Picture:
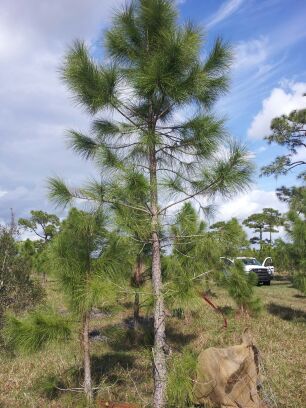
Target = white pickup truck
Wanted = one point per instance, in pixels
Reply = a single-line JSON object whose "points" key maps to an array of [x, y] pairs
{"points": [[263, 271]]}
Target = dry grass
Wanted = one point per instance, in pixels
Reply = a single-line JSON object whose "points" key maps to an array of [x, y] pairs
{"points": [[122, 364]]}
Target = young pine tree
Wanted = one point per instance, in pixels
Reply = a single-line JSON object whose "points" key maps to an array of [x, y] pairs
{"points": [[134, 227], [192, 261], [297, 247], [86, 263], [161, 93], [230, 236], [240, 287]]}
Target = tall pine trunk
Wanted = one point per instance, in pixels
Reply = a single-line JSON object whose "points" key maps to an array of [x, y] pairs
{"points": [[86, 359], [160, 369]]}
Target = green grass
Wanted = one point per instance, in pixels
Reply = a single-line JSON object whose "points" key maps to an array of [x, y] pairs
{"points": [[122, 364]]}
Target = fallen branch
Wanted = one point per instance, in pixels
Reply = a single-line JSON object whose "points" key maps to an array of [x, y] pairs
{"points": [[216, 308]]}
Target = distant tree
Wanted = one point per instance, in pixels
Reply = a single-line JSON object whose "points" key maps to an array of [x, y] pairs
{"points": [[231, 236], [288, 131], [256, 222], [266, 221], [18, 291], [154, 70], [44, 225], [273, 218], [86, 262]]}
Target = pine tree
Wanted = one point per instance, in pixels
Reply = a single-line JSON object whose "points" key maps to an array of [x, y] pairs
{"points": [[240, 287], [42, 224], [257, 222], [45, 226], [87, 265], [230, 236], [273, 218], [192, 262], [297, 248], [288, 131], [152, 72], [134, 227]]}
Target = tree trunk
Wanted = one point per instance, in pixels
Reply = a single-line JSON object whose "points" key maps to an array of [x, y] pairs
{"points": [[160, 369], [136, 311], [138, 278], [260, 238], [86, 359]]}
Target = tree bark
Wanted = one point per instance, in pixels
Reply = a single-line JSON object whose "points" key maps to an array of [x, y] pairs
{"points": [[160, 369], [260, 238], [138, 278], [86, 359], [136, 311]]}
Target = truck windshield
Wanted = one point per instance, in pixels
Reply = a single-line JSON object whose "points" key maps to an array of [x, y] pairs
{"points": [[250, 261]]}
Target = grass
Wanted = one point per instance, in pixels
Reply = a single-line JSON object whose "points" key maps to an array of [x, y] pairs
{"points": [[122, 363]]}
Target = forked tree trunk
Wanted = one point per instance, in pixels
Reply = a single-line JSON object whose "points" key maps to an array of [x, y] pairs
{"points": [[86, 359], [160, 369]]}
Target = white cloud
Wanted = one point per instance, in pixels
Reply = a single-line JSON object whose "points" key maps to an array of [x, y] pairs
{"points": [[225, 10], [282, 100], [35, 107], [248, 203], [252, 53]]}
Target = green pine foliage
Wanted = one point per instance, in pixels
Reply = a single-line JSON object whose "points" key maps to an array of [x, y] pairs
{"points": [[34, 331], [297, 249], [240, 286], [230, 236], [192, 261], [42, 224], [88, 263], [153, 71], [287, 131], [180, 380]]}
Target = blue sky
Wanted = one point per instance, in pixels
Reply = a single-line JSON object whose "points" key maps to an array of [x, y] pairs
{"points": [[268, 79]]}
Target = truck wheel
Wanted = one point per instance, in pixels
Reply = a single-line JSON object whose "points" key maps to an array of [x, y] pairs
{"points": [[267, 283]]}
